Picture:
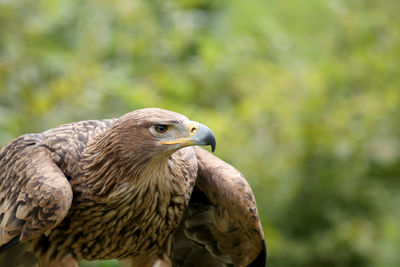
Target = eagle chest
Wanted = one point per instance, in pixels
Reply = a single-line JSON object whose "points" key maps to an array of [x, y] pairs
{"points": [[142, 222]]}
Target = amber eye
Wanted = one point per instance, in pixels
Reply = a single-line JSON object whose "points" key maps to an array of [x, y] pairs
{"points": [[161, 128]]}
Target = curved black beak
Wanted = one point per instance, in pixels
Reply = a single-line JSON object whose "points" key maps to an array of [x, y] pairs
{"points": [[203, 137]]}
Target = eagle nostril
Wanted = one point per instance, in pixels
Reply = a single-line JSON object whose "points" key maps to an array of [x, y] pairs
{"points": [[193, 130]]}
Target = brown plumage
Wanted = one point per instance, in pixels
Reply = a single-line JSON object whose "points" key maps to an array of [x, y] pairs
{"points": [[132, 188]]}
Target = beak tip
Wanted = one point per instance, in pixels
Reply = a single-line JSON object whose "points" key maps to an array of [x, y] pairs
{"points": [[213, 145], [211, 140]]}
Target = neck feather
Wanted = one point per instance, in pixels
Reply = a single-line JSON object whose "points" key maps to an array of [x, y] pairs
{"points": [[106, 173]]}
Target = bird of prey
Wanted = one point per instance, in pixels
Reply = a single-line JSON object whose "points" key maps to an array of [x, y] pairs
{"points": [[137, 188]]}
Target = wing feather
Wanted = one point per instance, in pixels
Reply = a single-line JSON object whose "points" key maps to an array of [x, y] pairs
{"points": [[221, 220], [35, 195]]}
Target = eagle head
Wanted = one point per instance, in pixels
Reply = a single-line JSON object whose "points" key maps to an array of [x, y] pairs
{"points": [[153, 132]]}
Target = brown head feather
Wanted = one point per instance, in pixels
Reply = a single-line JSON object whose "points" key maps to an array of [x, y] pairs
{"points": [[125, 150]]}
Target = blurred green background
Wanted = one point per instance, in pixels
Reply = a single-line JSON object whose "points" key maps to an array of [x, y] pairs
{"points": [[303, 97]]}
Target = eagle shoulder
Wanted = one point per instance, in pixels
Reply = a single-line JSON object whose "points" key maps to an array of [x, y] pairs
{"points": [[34, 193]]}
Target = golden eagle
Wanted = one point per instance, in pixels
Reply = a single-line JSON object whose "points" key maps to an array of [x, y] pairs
{"points": [[134, 188]]}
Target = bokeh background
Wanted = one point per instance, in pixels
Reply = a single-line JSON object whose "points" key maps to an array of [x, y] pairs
{"points": [[303, 97]]}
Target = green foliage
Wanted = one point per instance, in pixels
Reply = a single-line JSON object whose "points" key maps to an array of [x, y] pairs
{"points": [[303, 97], [108, 263]]}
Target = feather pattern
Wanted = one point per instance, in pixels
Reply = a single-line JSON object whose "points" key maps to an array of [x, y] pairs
{"points": [[221, 226], [106, 189]]}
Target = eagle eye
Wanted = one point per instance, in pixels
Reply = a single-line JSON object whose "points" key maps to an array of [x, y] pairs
{"points": [[161, 128]]}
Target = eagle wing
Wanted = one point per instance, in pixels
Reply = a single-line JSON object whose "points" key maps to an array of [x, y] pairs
{"points": [[35, 195], [221, 226]]}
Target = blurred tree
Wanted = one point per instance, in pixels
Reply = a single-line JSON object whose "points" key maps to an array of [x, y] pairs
{"points": [[303, 97]]}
